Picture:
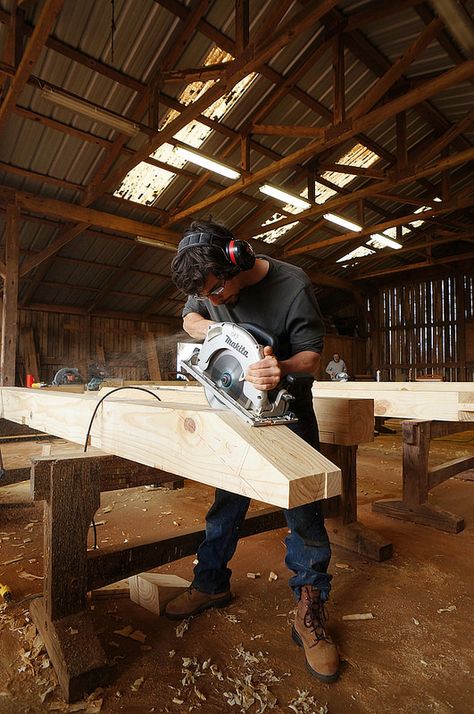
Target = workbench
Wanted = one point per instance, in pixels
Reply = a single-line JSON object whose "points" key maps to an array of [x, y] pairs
{"points": [[271, 461], [428, 410]]}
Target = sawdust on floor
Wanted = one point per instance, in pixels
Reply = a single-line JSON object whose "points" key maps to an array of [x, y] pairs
{"points": [[414, 656]]}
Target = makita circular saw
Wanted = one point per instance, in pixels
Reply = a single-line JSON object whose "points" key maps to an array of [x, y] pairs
{"points": [[221, 365]]}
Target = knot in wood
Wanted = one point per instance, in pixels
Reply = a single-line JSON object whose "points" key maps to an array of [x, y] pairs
{"points": [[190, 425]]}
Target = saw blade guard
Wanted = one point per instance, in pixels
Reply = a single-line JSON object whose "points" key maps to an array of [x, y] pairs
{"points": [[225, 356], [221, 365]]}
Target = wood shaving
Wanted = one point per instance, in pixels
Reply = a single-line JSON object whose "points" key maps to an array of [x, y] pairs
{"points": [[138, 636], [181, 629], [359, 616], [29, 576], [248, 693], [304, 703], [137, 684], [248, 657]]}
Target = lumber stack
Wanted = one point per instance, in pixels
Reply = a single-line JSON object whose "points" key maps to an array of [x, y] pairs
{"points": [[270, 464]]}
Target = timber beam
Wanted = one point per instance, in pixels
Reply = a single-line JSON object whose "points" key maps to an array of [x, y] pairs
{"points": [[270, 464], [442, 401]]}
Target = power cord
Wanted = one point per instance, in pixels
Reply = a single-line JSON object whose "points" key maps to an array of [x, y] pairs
{"points": [[86, 443]]}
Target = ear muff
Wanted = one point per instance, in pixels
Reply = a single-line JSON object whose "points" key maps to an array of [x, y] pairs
{"points": [[238, 252]]}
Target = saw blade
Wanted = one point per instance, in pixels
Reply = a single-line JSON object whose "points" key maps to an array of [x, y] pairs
{"points": [[225, 371]]}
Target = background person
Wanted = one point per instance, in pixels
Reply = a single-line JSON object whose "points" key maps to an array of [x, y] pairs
{"points": [[335, 366]]}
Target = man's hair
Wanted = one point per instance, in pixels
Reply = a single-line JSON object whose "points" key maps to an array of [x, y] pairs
{"points": [[192, 265]]}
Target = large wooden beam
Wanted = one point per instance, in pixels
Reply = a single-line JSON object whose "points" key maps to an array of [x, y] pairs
{"points": [[333, 137], [10, 298], [250, 60], [341, 421], [441, 401], [46, 20], [395, 180], [270, 464], [384, 225]]}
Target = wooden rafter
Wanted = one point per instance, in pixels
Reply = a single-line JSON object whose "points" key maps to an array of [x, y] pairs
{"points": [[46, 20], [333, 137], [380, 227], [380, 187]]}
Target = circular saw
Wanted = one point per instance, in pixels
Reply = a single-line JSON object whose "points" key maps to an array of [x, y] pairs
{"points": [[221, 364]]}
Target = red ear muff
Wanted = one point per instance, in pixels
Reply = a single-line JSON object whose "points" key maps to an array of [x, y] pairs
{"points": [[231, 252], [240, 253]]}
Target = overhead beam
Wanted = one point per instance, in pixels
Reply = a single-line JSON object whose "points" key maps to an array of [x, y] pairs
{"points": [[396, 70], [380, 227], [395, 181], [430, 263], [250, 60], [334, 136], [46, 20]]}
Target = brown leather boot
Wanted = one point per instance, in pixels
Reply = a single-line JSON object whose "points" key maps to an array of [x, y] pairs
{"points": [[308, 632], [192, 602]]}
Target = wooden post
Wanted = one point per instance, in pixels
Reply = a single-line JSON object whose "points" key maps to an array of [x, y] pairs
{"points": [[61, 616], [401, 130], [417, 479], [241, 25], [152, 356], [339, 109], [245, 152], [10, 298]]}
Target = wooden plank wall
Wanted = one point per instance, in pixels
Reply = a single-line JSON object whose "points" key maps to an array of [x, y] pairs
{"points": [[69, 340], [424, 329]]}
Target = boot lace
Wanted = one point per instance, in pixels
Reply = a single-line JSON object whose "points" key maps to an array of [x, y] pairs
{"points": [[315, 617]]}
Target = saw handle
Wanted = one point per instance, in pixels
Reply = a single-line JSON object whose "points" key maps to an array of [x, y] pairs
{"points": [[299, 383], [263, 338]]}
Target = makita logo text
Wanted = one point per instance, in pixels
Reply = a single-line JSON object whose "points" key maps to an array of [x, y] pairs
{"points": [[236, 346]]}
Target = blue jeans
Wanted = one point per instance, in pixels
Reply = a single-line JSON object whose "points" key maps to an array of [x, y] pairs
{"points": [[307, 545]]}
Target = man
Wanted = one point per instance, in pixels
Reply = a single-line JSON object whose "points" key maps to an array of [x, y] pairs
{"points": [[225, 282], [336, 366]]}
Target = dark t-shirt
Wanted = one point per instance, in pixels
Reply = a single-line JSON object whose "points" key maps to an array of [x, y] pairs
{"points": [[283, 304]]}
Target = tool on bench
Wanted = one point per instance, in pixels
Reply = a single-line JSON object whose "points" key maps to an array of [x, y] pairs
{"points": [[221, 365]]}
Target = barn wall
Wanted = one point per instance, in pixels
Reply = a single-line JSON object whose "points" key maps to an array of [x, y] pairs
{"points": [[71, 340], [424, 328]]}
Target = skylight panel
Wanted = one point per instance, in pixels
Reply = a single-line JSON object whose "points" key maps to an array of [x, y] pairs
{"points": [[359, 252], [145, 183], [273, 234]]}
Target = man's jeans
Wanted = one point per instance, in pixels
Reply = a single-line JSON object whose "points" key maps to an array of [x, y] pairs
{"points": [[307, 545]]}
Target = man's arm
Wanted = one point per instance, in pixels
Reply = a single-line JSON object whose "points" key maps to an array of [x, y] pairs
{"points": [[196, 325], [268, 372]]}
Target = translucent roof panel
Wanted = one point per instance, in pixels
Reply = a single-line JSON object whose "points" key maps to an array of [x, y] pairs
{"points": [[155, 179]]}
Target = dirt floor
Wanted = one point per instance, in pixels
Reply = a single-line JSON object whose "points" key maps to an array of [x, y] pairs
{"points": [[414, 656]]}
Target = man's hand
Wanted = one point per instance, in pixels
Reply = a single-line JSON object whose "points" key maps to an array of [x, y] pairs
{"points": [[265, 374]]}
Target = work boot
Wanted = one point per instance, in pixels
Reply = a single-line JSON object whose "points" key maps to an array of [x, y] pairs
{"points": [[308, 632], [192, 602]]}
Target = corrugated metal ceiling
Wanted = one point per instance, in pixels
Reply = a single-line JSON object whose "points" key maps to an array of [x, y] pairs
{"points": [[145, 34]]}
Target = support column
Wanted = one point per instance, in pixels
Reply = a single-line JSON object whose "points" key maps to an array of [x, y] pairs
{"points": [[10, 298]]}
